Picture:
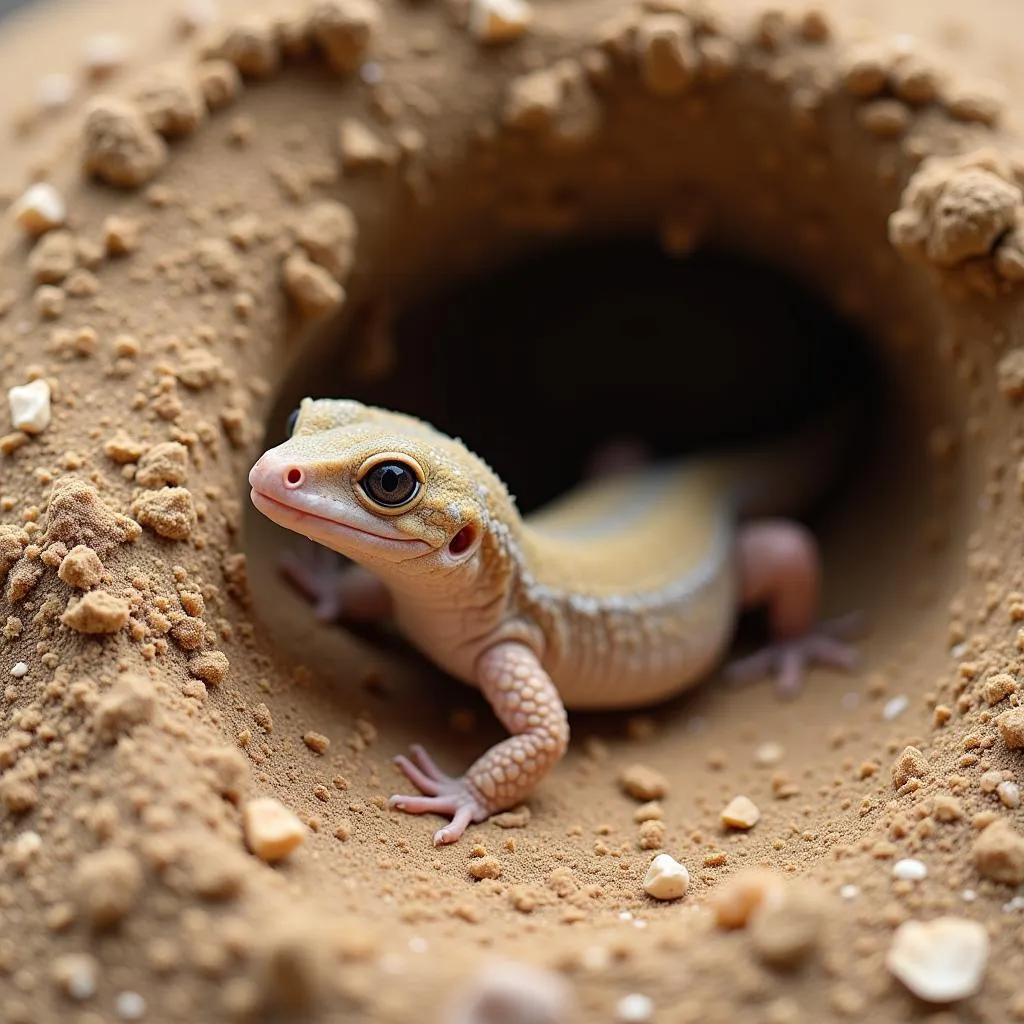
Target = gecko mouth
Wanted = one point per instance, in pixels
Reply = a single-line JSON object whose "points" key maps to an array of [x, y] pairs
{"points": [[345, 537]]}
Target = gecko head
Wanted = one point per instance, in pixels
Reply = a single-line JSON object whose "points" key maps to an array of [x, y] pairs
{"points": [[384, 489]]}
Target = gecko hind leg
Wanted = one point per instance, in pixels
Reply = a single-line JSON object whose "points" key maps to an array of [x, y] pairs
{"points": [[349, 592], [780, 567]]}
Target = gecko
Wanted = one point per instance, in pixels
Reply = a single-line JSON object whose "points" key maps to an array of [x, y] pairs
{"points": [[622, 593]]}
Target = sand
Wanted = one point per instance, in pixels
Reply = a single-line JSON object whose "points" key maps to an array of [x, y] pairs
{"points": [[194, 773]]}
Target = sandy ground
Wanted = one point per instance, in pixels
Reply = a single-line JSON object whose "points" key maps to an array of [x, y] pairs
{"points": [[162, 684]]}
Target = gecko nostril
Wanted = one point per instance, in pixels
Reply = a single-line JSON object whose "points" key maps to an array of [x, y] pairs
{"points": [[294, 477]]}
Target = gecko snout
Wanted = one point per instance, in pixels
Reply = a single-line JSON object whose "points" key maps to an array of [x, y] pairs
{"points": [[271, 474]]}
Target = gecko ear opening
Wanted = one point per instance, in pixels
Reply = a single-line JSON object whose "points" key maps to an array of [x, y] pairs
{"points": [[462, 543]]}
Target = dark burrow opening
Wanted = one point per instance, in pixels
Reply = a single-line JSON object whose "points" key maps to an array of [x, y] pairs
{"points": [[540, 364]]}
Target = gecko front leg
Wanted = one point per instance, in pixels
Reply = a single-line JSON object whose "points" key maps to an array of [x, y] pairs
{"points": [[525, 700], [336, 594], [779, 567]]}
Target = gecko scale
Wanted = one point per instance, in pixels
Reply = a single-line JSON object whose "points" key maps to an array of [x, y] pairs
{"points": [[623, 593]]}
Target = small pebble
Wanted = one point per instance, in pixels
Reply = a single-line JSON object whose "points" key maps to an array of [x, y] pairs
{"points": [[19, 670], [518, 993], [75, 974], [130, 1006], [849, 892], [940, 960], [895, 707], [39, 209], [499, 21], [741, 812], [1009, 794], [55, 91], [768, 754], [666, 878], [735, 901], [909, 870], [371, 72], [271, 830], [103, 54], [194, 15], [634, 1009], [30, 406], [643, 783]]}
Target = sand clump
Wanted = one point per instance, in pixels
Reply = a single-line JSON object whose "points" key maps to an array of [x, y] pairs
{"points": [[195, 823]]}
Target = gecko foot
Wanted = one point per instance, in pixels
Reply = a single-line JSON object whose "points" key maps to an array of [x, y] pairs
{"points": [[826, 644], [444, 795], [315, 576], [336, 592]]}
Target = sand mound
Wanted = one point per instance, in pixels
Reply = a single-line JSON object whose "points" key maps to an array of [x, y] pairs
{"points": [[194, 774]]}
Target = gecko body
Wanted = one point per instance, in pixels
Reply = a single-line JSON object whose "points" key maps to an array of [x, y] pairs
{"points": [[621, 594]]}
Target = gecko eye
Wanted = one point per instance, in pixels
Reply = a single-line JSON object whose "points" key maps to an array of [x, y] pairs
{"points": [[289, 427], [391, 484]]}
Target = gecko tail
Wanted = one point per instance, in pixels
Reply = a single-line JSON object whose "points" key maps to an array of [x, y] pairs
{"points": [[795, 472]]}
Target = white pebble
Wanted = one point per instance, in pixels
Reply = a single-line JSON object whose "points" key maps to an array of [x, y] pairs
{"points": [[26, 844], [1017, 903], [849, 892], [666, 878], [768, 754], [30, 406], [634, 1009], [82, 985], [39, 209], [499, 21], [19, 670], [940, 960], [371, 72], [1009, 794], [130, 1006], [75, 974], [895, 707], [910, 870], [55, 91], [958, 650], [23, 849], [968, 895], [515, 992], [103, 53]]}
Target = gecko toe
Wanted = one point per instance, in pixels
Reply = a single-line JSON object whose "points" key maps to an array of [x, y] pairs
{"points": [[440, 794], [453, 832], [788, 660], [427, 764], [420, 779]]}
